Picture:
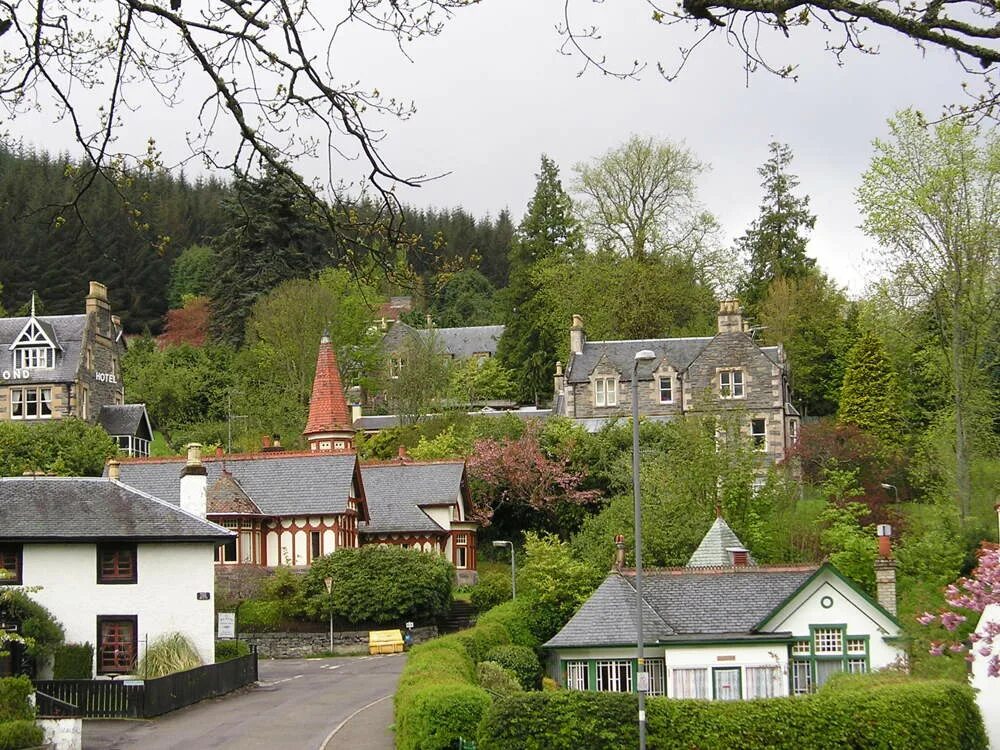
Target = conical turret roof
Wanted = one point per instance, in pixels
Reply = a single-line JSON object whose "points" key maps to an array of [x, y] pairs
{"points": [[717, 546], [328, 412]]}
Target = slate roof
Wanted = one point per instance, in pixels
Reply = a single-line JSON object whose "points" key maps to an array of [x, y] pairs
{"points": [[279, 484], [125, 419], [460, 343], [396, 490], [678, 353], [373, 422], [715, 546], [66, 330], [684, 604], [227, 497], [76, 508], [328, 410]]}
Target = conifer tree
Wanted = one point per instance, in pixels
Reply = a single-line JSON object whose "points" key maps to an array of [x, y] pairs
{"points": [[775, 244], [548, 231], [870, 397]]}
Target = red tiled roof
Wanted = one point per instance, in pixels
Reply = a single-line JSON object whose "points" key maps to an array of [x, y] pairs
{"points": [[328, 410]]}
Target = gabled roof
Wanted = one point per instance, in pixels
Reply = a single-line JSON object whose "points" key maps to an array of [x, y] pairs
{"points": [[328, 410], [691, 603], [678, 353], [716, 545], [48, 509], [226, 497], [125, 419], [460, 343], [396, 491], [66, 330], [46, 330], [279, 484]]}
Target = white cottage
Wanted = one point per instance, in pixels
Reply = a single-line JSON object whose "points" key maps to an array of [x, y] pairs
{"points": [[116, 566], [725, 628]]}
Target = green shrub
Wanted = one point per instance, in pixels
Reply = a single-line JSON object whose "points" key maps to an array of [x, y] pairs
{"points": [[434, 716], [480, 640], [285, 586], [379, 585], [15, 735], [497, 679], [168, 654], [883, 713], [492, 588], [42, 631], [226, 650], [514, 616], [14, 692], [73, 661], [520, 660], [259, 616]]}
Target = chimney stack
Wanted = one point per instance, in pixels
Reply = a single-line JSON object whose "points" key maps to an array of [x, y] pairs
{"points": [[194, 482], [114, 470], [577, 338], [559, 381], [619, 552], [885, 569], [404, 456], [730, 316], [99, 309], [265, 442]]}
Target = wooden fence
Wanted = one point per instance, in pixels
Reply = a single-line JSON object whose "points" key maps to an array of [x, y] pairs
{"points": [[142, 699]]}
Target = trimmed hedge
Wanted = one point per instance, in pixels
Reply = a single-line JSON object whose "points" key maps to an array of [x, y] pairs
{"points": [[73, 661], [910, 715], [259, 616], [15, 735], [226, 650], [514, 616], [497, 680], [520, 660]]}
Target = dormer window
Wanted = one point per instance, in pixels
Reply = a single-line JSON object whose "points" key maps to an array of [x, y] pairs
{"points": [[666, 389], [606, 392], [34, 348]]}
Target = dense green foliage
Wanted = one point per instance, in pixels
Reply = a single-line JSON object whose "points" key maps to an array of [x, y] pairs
{"points": [[496, 679], [42, 632], [522, 661], [15, 735], [226, 650], [871, 397], [911, 714], [73, 661], [379, 585], [17, 725], [260, 616], [66, 447]]}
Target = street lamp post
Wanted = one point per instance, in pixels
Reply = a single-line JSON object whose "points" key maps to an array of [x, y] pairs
{"points": [[513, 570], [328, 582], [892, 487], [642, 677]]}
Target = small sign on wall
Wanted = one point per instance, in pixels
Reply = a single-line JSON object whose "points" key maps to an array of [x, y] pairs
{"points": [[227, 624], [204, 596]]}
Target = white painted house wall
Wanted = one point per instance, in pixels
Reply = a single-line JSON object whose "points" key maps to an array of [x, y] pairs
{"points": [[164, 599], [442, 515], [987, 688], [728, 655]]}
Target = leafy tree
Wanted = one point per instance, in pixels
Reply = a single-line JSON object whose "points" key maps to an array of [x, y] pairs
{"points": [[476, 381], [187, 324], [379, 585], [851, 546], [520, 487], [466, 299], [191, 274], [548, 232], [423, 376], [775, 244], [67, 447], [639, 200], [931, 197], [809, 317], [871, 397], [273, 235]]}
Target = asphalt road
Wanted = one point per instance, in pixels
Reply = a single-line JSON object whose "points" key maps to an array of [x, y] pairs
{"points": [[299, 704]]}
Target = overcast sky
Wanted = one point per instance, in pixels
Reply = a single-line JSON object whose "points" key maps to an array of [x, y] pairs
{"points": [[493, 93]]}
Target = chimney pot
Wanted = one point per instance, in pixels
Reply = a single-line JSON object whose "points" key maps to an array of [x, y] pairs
{"points": [[219, 453], [265, 441], [619, 552], [114, 469], [403, 453], [194, 454], [194, 482]]}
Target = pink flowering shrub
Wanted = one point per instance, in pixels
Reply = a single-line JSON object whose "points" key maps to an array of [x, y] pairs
{"points": [[975, 593]]}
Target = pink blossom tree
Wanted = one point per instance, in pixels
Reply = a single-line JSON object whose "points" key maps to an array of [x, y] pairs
{"points": [[519, 486], [975, 594]]}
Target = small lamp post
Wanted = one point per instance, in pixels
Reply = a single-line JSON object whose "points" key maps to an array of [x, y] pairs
{"points": [[513, 569], [642, 678], [892, 487], [328, 582]]}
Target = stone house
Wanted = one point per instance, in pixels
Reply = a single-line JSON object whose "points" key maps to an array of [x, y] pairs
{"points": [[724, 628], [457, 343], [725, 373], [59, 366], [116, 566]]}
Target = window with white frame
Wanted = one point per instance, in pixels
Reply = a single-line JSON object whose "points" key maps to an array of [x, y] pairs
{"points": [[857, 666], [793, 431], [731, 384], [763, 682], [577, 675], [395, 366], [829, 651], [689, 683], [657, 671], [30, 403], [801, 677], [606, 392], [666, 389], [614, 676], [829, 640], [34, 358], [758, 434]]}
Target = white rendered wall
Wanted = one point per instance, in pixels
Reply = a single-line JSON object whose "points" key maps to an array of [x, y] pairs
{"points": [[164, 599], [988, 688]]}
